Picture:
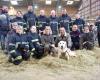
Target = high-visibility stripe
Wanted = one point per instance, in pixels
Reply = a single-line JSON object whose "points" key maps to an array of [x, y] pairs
{"points": [[12, 51], [11, 44], [24, 42], [35, 40], [27, 45], [18, 58], [21, 43], [33, 49]]}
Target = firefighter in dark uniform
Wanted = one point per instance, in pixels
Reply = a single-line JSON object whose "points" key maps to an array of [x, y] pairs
{"points": [[11, 33], [65, 20], [42, 21], [80, 22], [19, 19], [30, 17], [18, 47], [53, 23], [4, 25], [97, 23], [34, 42], [75, 37]]}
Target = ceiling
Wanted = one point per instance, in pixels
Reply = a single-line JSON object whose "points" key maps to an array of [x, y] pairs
{"points": [[41, 3]]}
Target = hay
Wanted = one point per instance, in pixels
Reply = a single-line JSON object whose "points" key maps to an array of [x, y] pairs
{"points": [[77, 67]]}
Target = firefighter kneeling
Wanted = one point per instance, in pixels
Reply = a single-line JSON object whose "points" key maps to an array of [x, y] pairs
{"points": [[36, 47], [18, 47]]}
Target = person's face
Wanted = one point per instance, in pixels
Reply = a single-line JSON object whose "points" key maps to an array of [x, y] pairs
{"points": [[33, 29], [42, 12], [86, 30], [75, 28], [5, 8], [47, 30], [64, 11], [62, 31], [30, 8], [53, 13], [19, 30], [14, 26], [77, 16], [19, 14]]}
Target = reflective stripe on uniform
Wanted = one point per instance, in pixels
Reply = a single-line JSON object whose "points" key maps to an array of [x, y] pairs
{"points": [[12, 51], [27, 45], [18, 58], [33, 49], [35, 40], [21, 43], [24, 42], [11, 44]]}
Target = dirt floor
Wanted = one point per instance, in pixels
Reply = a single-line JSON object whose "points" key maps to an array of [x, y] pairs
{"points": [[86, 66]]}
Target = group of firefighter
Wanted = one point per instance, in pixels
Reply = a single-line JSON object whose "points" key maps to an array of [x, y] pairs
{"points": [[28, 35]]}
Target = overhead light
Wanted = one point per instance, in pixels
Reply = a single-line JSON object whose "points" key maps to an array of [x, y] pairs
{"points": [[5, 0], [48, 2], [70, 2], [14, 2], [76, 0], [59, 6], [35, 6]]}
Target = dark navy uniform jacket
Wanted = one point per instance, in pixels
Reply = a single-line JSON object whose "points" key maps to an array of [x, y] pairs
{"points": [[65, 21], [20, 21], [97, 23], [33, 39], [42, 21], [18, 42], [80, 22], [4, 23], [30, 18], [53, 23]]}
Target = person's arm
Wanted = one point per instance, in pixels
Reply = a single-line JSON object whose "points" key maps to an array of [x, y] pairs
{"points": [[12, 45], [52, 41], [25, 18], [92, 37], [83, 22], [81, 41], [69, 41], [42, 40], [56, 41], [30, 42]]}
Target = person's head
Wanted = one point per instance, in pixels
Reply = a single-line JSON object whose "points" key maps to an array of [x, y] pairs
{"points": [[77, 16], [53, 13], [30, 8], [5, 9], [62, 31], [74, 28], [19, 14], [19, 29], [47, 30], [42, 12], [33, 29], [86, 29], [14, 25], [64, 11]]}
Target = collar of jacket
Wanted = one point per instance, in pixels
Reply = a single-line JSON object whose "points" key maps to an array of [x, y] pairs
{"points": [[64, 35], [64, 15], [53, 17]]}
